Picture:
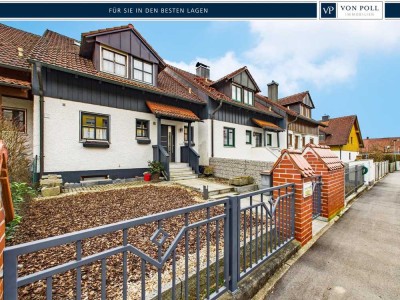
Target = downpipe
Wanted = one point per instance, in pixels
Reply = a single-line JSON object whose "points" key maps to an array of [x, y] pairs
{"points": [[212, 127], [41, 119]]}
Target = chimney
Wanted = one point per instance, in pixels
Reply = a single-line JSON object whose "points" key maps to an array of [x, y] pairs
{"points": [[325, 118], [273, 91], [202, 70]]}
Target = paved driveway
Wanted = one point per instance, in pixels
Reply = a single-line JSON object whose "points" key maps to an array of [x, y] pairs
{"points": [[358, 257]]}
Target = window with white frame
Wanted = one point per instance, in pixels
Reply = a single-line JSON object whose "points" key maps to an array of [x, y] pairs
{"points": [[236, 93], [248, 97], [142, 71], [114, 63]]}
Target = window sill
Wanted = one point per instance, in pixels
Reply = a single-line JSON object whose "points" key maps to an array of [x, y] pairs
{"points": [[226, 146], [143, 141], [96, 144]]}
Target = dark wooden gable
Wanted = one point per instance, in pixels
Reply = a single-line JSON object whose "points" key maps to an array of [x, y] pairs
{"points": [[308, 101], [245, 80], [128, 42]]}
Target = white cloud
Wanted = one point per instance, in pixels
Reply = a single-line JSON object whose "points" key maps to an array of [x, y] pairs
{"points": [[304, 54]]}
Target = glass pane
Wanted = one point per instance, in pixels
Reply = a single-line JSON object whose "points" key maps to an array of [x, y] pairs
{"points": [[239, 94], [230, 138], [108, 66], [20, 116], [88, 133], [101, 121], [108, 54], [233, 92], [225, 137], [147, 78], [8, 115], [121, 59], [148, 68], [120, 70], [137, 64], [88, 120], [101, 134], [138, 75], [246, 97], [251, 95]]}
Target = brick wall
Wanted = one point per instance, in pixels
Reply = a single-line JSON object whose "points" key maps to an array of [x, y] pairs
{"points": [[286, 172], [228, 168], [332, 192]]}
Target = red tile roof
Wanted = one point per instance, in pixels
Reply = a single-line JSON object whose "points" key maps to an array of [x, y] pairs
{"points": [[59, 51], [172, 111], [293, 98], [14, 82], [381, 144], [330, 159], [205, 86], [338, 130], [10, 40], [267, 125], [298, 161]]}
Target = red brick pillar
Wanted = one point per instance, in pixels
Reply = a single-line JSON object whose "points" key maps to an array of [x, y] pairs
{"points": [[2, 245], [291, 167], [330, 167]]}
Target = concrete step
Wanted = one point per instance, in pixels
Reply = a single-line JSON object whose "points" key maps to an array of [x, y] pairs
{"points": [[224, 195], [222, 191], [173, 166], [181, 172], [175, 178]]}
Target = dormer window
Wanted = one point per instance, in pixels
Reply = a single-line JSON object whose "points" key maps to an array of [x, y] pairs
{"points": [[142, 71], [248, 97], [236, 93], [113, 62]]}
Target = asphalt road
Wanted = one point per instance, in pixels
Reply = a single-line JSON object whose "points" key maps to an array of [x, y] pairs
{"points": [[358, 257]]}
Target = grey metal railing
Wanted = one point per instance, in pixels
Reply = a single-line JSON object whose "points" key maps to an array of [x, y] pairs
{"points": [[161, 155], [190, 156], [317, 204], [354, 179], [193, 252]]}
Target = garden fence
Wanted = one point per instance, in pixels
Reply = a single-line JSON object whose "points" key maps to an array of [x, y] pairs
{"points": [[381, 169], [200, 251], [354, 178]]}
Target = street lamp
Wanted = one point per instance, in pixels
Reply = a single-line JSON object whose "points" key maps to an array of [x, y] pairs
{"points": [[394, 149]]}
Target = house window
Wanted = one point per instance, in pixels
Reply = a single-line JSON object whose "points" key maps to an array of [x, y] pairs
{"points": [[303, 141], [16, 116], [311, 141], [269, 139], [322, 137], [114, 63], [351, 140], [248, 137], [229, 137], [349, 155], [186, 134], [290, 142], [142, 128], [248, 97], [94, 127], [142, 71], [258, 139], [236, 93], [296, 142]]}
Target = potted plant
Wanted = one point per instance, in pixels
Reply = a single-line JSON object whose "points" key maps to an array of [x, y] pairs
{"points": [[147, 176], [208, 171], [155, 168]]}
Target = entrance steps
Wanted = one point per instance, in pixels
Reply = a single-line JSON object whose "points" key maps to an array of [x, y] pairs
{"points": [[181, 171]]}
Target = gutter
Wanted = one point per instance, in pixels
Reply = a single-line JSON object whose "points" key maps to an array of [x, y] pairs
{"points": [[41, 118], [212, 126]]}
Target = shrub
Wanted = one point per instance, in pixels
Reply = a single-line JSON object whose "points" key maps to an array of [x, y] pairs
{"points": [[155, 167], [208, 170]]}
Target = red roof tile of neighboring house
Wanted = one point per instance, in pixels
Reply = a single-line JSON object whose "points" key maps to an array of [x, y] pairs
{"points": [[171, 111], [381, 144], [267, 125], [298, 161], [204, 85], [14, 82], [293, 98], [325, 153], [59, 51], [338, 130], [10, 40]]}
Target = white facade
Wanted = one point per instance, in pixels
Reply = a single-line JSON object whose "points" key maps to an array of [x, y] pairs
{"points": [[346, 156], [64, 149], [308, 138]]}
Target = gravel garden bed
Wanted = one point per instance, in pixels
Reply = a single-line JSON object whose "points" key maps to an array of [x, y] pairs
{"points": [[52, 217]]}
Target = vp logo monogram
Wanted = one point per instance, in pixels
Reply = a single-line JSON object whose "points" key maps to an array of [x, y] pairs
{"points": [[328, 10]]}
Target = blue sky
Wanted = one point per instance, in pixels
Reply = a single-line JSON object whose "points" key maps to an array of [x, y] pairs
{"points": [[348, 67]]}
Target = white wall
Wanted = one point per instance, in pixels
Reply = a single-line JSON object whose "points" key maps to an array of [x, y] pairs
{"points": [[347, 156], [27, 105], [241, 149], [308, 137], [64, 151]]}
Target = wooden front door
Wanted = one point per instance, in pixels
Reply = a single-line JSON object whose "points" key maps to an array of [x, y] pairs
{"points": [[168, 140]]}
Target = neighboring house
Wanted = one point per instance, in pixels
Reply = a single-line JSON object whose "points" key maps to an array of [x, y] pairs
{"points": [[105, 105], [15, 78], [301, 129], [388, 145], [343, 135]]}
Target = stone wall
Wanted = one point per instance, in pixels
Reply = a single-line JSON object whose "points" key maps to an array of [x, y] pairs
{"points": [[228, 168]]}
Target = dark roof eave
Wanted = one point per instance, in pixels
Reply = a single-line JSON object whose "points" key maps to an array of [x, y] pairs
{"points": [[247, 107], [15, 85], [310, 120], [165, 116], [15, 67], [112, 81]]}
